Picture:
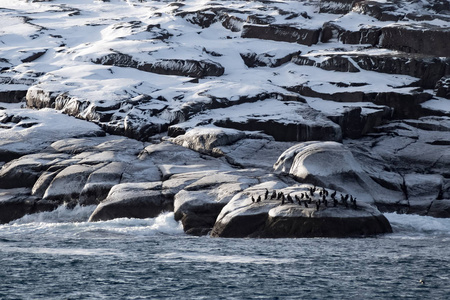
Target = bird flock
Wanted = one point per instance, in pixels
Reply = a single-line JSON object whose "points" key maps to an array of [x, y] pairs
{"points": [[314, 197]]}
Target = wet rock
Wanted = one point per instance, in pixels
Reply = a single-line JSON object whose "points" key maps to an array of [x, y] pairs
{"points": [[440, 209], [132, 200], [14, 204], [282, 33]]}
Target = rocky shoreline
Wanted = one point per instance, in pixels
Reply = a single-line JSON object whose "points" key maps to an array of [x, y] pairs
{"points": [[152, 116]]}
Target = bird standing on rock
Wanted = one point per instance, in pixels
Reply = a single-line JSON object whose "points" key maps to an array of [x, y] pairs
{"points": [[274, 195], [289, 198], [253, 199], [259, 199], [266, 195]]}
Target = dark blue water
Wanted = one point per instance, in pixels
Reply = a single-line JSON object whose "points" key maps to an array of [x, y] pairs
{"points": [[59, 256]]}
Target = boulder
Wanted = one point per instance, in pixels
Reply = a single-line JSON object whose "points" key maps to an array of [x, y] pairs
{"points": [[332, 165], [132, 200], [68, 184], [199, 203], [100, 182], [272, 219], [439, 209], [24, 171]]}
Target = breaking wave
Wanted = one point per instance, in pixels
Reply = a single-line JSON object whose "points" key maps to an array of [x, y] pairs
{"points": [[418, 224]]}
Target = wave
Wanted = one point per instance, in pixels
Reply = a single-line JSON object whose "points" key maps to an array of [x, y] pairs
{"points": [[403, 223], [235, 259], [66, 222], [62, 214]]}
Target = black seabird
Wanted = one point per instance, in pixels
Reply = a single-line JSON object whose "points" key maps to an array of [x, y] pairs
{"points": [[274, 195], [290, 198], [335, 202], [306, 204], [253, 199], [325, 202], [333, 194], [282, 200], [301, 196], [266, 195], [317, 205], [259, 199]]}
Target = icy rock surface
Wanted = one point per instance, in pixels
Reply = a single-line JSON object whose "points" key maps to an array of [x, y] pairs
{"points": [[190, 104]]}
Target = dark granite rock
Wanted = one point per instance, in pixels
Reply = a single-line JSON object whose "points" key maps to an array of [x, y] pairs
{"points": [[282, 33], [443, 87], [336, 6], [425, 39]]}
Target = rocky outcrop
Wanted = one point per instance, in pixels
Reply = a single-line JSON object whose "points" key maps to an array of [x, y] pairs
{"points": [[425, 39], [179, 67], [271, 218], [282, 33]]}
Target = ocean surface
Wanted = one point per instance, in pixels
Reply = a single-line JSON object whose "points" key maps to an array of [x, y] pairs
{"points": [[59, 255]]}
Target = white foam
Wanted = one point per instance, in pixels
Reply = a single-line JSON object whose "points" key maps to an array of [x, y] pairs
{"points": [[60, 215], [235, 259], [64, 223], [403, 223]]}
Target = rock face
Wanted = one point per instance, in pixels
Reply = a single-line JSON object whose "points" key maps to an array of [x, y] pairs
{"points": [[272, 218], [128, 200], [198, 107]]}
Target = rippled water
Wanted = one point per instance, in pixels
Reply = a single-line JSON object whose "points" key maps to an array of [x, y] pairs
{"points": [[58, 255]]}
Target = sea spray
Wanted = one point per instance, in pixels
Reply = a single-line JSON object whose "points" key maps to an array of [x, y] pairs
{"points": [[414, 224]]}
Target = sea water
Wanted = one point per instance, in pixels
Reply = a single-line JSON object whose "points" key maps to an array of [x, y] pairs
{"points": [[59, 255]]}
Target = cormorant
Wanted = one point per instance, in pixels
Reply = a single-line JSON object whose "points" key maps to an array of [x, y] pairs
{"points": [[274, 195], [282, 200], [335, 202], [259, 199], [297, 198], [306, 204], [266, 195], [253, 199], [317, 205], [325, 202], [290, 198], [301, 196], [333, 194]]}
